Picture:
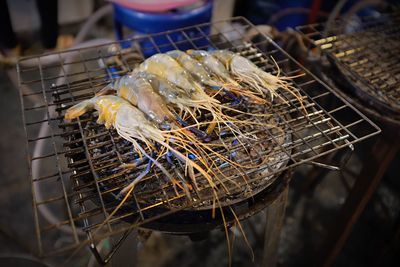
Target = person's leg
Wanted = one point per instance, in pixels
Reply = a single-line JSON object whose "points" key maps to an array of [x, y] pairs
{"points": [[8, 39], [48, 12]]}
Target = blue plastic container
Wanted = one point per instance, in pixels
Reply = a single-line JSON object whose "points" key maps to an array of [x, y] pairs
{"points": [[149, 23]]}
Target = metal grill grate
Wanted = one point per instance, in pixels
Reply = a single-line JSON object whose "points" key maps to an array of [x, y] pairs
{"points": [[75, 166], [367, 53]]}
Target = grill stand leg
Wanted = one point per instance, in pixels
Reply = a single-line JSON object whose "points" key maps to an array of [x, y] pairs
{"points": [[275, 214], [382, 154], [103, 260]]}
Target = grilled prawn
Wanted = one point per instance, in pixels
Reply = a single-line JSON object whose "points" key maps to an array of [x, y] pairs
{"points": [[195, 68], [215, 66], [139, 92]]}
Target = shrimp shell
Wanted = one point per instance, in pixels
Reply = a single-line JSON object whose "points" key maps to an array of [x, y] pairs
{"points": [[140, 93], [213, 64], [194, 67], [165, 88], [117, 112], [224, 56], [168, 68], [107, 106]]}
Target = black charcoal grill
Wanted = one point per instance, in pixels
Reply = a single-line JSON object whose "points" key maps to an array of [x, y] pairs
{"points": [[365, 53], [81, 161]]}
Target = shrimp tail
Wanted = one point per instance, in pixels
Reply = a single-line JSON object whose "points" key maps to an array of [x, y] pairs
{"points": [[79, 109]]}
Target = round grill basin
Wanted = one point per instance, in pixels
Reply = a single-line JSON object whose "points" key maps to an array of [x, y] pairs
{"points": [[188, 222]]}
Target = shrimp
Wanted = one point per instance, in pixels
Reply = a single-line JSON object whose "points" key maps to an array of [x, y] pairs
{"points": [[215, 66], [195, 68], [263, 82], [139, 92], [222, 73], [132, 125]]}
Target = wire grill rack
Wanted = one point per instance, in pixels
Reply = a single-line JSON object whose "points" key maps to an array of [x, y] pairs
{"points": [[69, 162], [366, 51]]}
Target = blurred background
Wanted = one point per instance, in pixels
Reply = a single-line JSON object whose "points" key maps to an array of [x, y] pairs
{"points": [[316, 196]]}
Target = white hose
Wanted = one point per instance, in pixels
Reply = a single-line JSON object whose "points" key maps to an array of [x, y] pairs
{"points": [[91, 21]]}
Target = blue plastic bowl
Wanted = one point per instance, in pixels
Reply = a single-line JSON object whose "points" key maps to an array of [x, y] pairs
{"points": [[149, 23]]}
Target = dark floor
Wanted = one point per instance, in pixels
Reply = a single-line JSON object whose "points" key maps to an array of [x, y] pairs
{"points": [[374, 240]]}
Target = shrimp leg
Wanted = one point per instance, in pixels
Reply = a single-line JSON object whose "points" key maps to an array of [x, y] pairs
{"points": [[137, 179]]}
